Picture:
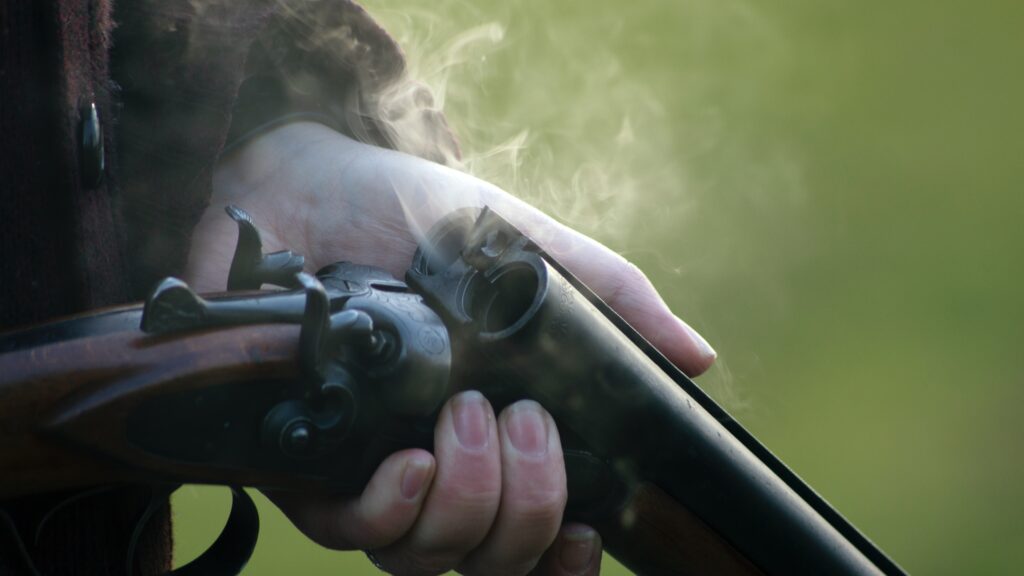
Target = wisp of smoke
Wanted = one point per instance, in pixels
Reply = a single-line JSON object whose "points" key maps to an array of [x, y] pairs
{"points": [[566, 143], [545, 111]]}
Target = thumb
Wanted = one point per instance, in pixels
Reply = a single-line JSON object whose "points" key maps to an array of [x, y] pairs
{"points": [[381, 515]]}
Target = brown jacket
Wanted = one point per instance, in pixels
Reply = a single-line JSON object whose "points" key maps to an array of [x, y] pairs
{"points": [[88, 221]]}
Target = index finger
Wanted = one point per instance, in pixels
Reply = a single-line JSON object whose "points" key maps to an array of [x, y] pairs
{"points": [[615, 280]]}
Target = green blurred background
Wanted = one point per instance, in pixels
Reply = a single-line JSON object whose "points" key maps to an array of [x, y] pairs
{"points": [[829, 191]]}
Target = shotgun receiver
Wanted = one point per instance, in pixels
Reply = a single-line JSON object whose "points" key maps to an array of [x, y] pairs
{"points": [[311, 387]]}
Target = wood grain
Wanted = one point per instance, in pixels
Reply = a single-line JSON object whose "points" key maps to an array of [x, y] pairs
{"points": [[63, 406], [655, 535]]}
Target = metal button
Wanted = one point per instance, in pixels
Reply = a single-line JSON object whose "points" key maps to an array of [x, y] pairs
{"points": [[91, 160]]}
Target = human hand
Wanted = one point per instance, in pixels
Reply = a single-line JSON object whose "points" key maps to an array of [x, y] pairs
{"points": [[490, 498]]}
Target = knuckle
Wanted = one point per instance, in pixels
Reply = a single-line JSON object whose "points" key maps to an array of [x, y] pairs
{"points": [[331, 534], [475, 502], [541, 507], [470, 491], [629, 282], [354, 529], [636, 277], [376, 532]]}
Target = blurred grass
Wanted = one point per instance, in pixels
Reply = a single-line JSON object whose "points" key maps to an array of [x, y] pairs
{"points": [[830, 191]]}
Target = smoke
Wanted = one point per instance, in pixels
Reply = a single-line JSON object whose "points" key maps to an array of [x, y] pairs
{"points": [[553, 115], [584, 144], [577, 114]]}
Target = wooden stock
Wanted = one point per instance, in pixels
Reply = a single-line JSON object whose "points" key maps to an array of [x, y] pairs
{"points": [[58, 432], [63, 409]]}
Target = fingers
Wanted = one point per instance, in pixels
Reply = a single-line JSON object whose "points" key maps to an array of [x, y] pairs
{"points": [[463, 501], [493, 506], [533, 493], [497, 501], [615, 280], [386, 510], [576, 552]]}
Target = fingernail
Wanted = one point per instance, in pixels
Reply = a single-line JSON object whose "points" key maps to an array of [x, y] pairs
{"points": [[414, 478], [527, 430], [471, 414], [705, 349], [578, 546]]}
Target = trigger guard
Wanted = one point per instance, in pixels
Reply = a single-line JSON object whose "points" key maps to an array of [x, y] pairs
{"points": [[231, 551]]}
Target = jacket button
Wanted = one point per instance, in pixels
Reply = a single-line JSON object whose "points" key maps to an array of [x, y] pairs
{"points": [[91, 160]]}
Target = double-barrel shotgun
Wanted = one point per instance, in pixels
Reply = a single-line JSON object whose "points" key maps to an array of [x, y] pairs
{"points": [[308, 387]]}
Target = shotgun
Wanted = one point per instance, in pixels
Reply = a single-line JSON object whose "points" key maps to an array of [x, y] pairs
{"points": [[310, 386]]}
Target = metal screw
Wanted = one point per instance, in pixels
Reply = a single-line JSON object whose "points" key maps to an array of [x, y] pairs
{"points": [[298, 438], [92, 161]]}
